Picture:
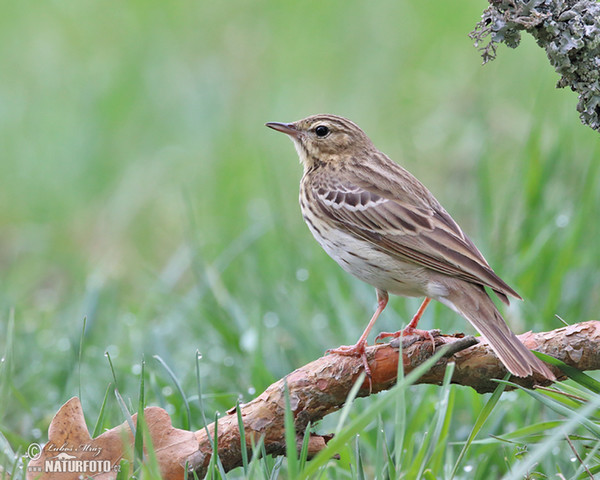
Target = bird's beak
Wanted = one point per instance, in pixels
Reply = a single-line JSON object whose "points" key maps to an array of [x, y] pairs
{"points": [[287, 128]]}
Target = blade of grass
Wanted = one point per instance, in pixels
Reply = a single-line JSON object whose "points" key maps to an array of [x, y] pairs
{"points": [[579, 397], [348, 402], [589, 458], [150, 465], [291, 449], [211, 470], [79, 357], [6, 361], [100, 421], [481, 419], [276, 469], [575, 418], [112, 368], [200, 396], [443, 426], [264, 459], [360, 471], [536, 429], [125, 411], [391, 466], [255, 461], [576, 375], [175, 380], [304, 450], [379, 445], [562, 398], [242, 430], [16, 466], [208, 436], [124, 468], [139, 434], [576, 392], [120, 401], [367, 416], [561, 409], [399, 418], [7, 454], [431, 438]]}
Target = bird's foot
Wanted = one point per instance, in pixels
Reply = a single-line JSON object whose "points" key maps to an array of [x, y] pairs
{"points": [[408, 332], [357, 350]]}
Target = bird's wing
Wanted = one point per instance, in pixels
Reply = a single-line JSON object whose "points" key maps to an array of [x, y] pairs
{"points": [[401, 225]]}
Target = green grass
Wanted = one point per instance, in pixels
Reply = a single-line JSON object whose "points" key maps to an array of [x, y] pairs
{"points": [[140, 190]]}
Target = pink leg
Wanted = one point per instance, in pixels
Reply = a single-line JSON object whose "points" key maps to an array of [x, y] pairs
{"points": [[359, 348], [411, 329], [415, 320]]}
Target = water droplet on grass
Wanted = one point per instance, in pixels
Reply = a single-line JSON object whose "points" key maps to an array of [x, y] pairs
{"points": [[302, 274], [271, 319], [562, 220]]}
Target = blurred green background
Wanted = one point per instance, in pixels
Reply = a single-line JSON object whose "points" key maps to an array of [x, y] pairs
{"points": [[140, 189]]}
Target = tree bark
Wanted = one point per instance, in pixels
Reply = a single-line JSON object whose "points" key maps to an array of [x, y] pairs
{"points": [[321, 387]]}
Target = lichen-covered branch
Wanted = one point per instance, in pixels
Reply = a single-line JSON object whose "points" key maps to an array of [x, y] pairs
{"points": [[321, 387], [569, 31]]}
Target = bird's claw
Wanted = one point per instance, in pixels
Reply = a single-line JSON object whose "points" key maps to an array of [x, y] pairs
{"points": [[357, 350], [407, 332]]}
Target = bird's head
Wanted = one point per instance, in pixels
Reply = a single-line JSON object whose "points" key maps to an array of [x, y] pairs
{"points": [[324, 138]]}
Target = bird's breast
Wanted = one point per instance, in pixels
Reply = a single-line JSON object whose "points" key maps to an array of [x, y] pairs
{"points": [[366, 262]]}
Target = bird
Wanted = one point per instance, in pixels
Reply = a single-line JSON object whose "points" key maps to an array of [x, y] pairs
{"points": [[382, 225]]}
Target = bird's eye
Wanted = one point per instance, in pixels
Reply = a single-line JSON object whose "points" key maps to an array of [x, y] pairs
{"points": [[321, 131]]}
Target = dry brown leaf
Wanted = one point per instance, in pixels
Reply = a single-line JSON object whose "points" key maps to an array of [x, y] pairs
{"points": [[71, 453]]}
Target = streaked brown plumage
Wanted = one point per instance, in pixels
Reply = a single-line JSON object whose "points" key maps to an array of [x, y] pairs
{"points": [[382, 225]]}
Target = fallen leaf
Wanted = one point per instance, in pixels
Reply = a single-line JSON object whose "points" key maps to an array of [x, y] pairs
{"points": [[72, 454]]}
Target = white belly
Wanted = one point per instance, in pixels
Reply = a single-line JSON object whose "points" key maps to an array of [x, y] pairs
{"points": [[372, 266]]}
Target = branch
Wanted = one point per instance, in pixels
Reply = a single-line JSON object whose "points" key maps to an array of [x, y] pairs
{"points": [[569, 31], [321, 387], [317, 389]]}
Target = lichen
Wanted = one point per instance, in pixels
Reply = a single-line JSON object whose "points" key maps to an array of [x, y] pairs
{"points": [[568, 30]]}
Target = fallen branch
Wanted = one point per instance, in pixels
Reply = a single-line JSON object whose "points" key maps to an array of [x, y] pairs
{"points": [[321, 387], [315, 390]]}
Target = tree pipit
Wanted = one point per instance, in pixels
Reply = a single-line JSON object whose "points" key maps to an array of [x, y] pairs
{"points": [[382, 225]]}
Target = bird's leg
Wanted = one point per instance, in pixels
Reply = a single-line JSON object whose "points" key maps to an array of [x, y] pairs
{"points": [[359, 348], [411, 328]]}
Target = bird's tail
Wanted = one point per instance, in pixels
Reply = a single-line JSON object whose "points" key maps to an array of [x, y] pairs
{"points": [[472, 302]]}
